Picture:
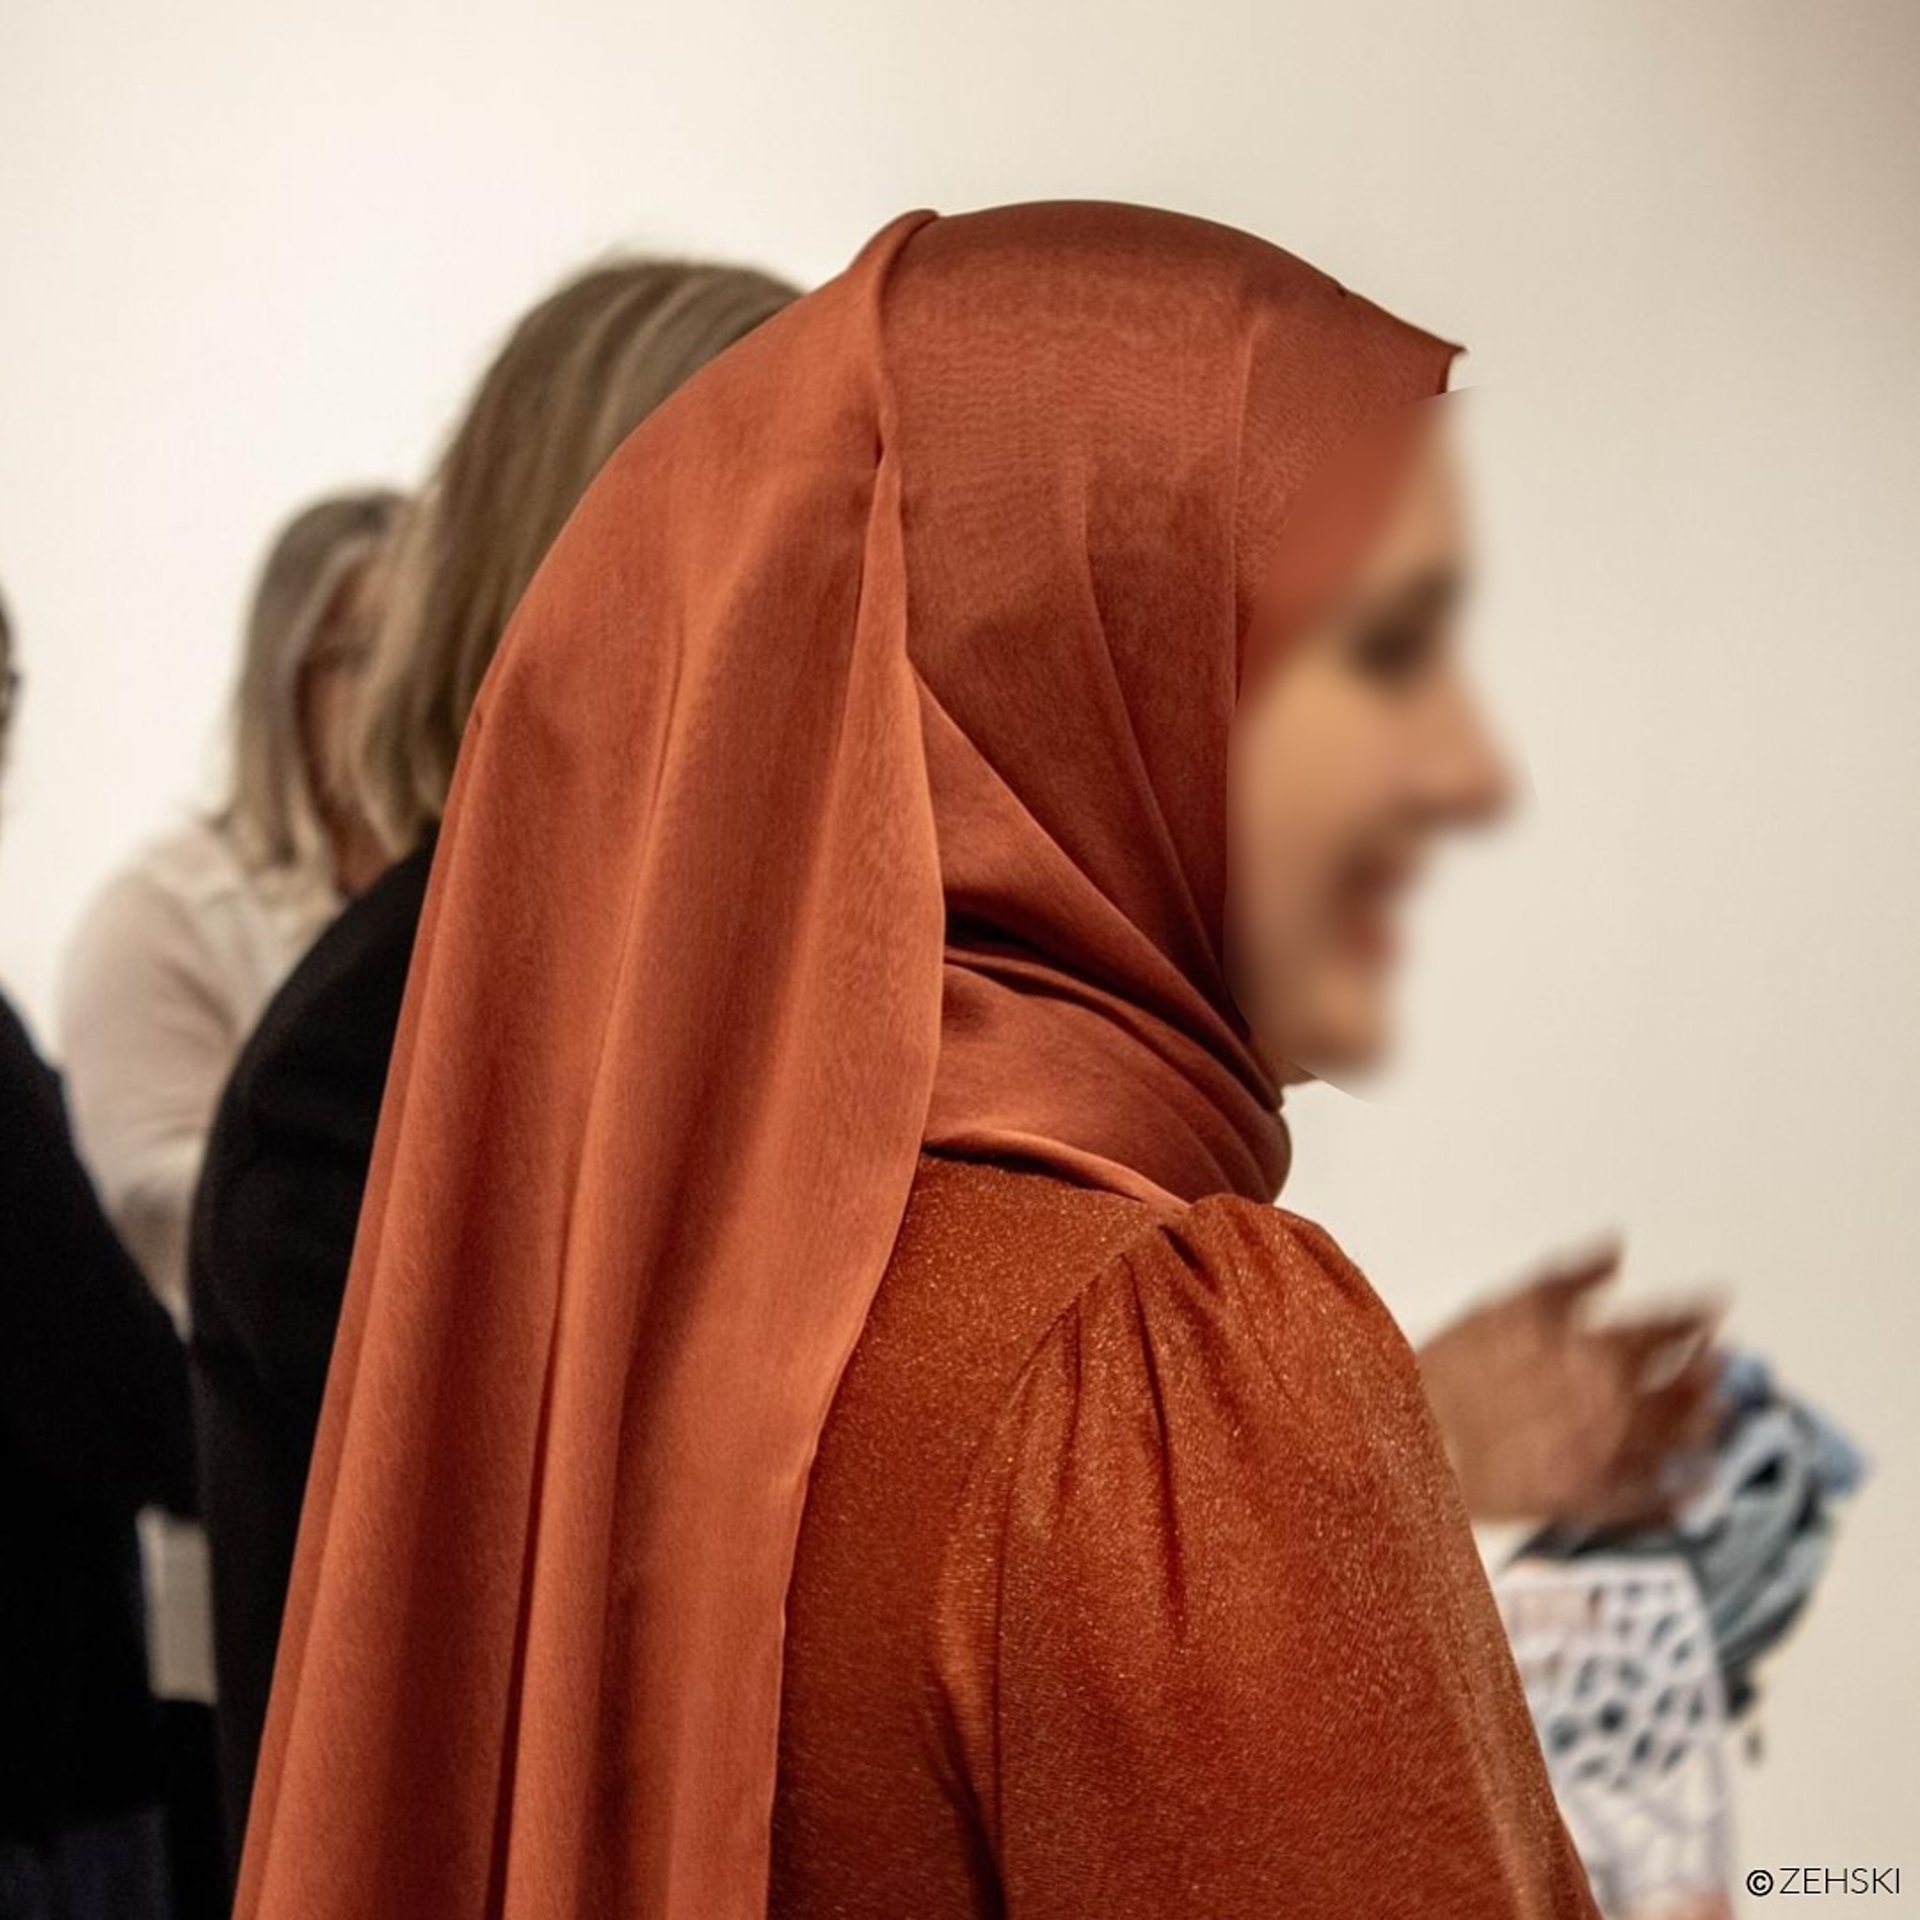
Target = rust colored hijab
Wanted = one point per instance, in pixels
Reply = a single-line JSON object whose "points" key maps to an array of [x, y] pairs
{"points": [[851, 780]]}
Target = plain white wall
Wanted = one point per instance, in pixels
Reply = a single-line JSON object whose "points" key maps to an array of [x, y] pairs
{"points": [[248, 253]]}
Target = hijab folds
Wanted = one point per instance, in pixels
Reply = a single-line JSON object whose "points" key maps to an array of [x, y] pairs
{"points": [[850, 782]]}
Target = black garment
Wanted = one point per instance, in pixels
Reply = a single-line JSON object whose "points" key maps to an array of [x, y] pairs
{"points": [[191, 1801], [94, 1425], [272, 1238]]}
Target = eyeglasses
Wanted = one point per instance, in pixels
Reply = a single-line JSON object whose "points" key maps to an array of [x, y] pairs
{"points": [[9, 695]]}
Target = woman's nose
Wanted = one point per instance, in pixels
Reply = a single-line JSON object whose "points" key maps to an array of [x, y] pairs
{"points": [[1472, 781]]}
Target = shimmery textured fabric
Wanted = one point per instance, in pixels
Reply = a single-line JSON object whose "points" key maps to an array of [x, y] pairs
{"points": [[1133, 1582], [852, 778]]}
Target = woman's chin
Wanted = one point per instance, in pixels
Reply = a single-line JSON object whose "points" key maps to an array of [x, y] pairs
{"points": [[1349, 1042]]}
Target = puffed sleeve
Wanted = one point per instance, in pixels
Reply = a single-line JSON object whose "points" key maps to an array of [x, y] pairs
{"points": [[1212, 1637]]}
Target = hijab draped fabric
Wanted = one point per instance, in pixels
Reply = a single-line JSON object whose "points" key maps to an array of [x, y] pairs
{"points": [[851, 780]]}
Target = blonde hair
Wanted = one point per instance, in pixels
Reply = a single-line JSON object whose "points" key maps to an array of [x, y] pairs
{"points": [[576, 376], [271, 810]]}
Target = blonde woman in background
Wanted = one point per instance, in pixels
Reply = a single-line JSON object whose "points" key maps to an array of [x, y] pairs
{"points": [[168, 972], [287, 1158]]}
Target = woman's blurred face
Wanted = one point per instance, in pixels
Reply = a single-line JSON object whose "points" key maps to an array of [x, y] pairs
{"points": [[330, 680], [1356, 749]]}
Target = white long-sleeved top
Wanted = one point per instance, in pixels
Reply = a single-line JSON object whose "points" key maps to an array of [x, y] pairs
{"points": [[169, 970]]}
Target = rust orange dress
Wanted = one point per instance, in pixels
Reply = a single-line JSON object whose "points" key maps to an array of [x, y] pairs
{"points": [[1133, 1581]]}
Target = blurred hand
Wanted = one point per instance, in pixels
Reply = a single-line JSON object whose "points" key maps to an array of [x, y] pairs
{"points": [[1549, 1417]]}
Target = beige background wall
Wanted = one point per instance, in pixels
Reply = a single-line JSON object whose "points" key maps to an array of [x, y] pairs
{"points": [[248, 252]]}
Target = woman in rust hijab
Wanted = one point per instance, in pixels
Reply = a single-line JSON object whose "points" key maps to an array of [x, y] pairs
{"points": [[828, 1420]]}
